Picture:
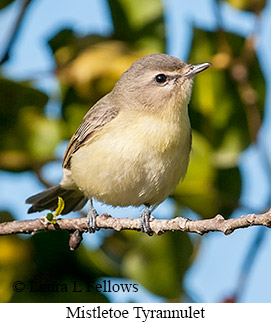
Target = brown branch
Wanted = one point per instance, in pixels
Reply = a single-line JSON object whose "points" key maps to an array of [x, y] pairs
{"points": [[15, 31], [105, 221]]}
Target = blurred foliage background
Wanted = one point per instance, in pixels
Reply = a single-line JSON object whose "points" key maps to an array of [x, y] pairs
{"points": [[226, 113]]}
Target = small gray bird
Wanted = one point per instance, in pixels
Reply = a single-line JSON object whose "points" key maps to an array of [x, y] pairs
{"points": [[133, 145]]}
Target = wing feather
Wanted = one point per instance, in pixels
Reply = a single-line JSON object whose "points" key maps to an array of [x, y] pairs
{"points": [[98, 116]]}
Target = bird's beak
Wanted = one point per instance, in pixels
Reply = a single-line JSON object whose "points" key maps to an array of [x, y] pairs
{"points": [[192, 70]]}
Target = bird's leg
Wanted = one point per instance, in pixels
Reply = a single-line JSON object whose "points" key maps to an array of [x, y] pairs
{"points": [[145, 220], [91, 218]]}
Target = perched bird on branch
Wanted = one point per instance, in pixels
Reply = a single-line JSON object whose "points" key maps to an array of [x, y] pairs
{"points": [[133, 145]]}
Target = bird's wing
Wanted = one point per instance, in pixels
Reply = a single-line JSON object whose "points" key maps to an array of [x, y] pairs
{"points": [[99, 115]]}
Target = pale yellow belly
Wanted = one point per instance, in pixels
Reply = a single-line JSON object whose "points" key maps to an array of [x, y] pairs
{"points": [[132, 164]]}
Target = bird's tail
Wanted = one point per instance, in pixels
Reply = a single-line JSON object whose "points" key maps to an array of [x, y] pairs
{"points": [[48, 200]]}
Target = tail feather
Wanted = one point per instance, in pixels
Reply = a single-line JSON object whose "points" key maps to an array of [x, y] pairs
{"points": [[48, 200], [74, 204]]}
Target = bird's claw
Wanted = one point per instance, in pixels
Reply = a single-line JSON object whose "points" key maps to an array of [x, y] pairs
{"points": [[145, 221], [91, 219]]}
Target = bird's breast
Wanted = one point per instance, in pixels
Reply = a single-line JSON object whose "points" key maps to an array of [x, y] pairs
{"points": [[134, 159]]}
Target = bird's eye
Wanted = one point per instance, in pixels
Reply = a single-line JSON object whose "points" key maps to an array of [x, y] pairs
{"points": [[160, 78]]}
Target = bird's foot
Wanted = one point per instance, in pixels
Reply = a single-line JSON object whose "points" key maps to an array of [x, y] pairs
{"points": [[91, 219], [145, 221]]}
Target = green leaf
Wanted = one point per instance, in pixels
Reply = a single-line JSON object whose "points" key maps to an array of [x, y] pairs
{"points": [[49, 216], [249, 5], [197, 191], [13, 97], [60, 206], [16, 101], [41, 134], [122, 27], [140, 23], [4, 3], [159, 263]]}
